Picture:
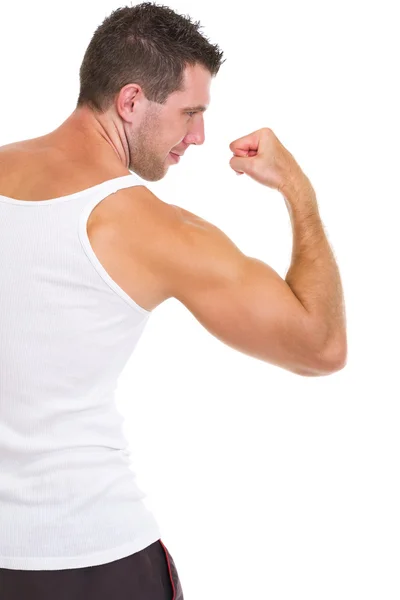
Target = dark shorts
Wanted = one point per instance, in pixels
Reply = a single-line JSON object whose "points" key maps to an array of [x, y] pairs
{"points": [[150, 574]]}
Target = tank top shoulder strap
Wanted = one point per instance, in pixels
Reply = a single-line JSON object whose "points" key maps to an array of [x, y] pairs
{"points": [[96, 195], [118, 183]]}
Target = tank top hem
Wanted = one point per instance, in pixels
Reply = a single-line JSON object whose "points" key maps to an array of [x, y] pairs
{"points": [[78, 562]]}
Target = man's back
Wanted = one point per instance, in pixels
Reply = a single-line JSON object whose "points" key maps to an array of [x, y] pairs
{"points": [[67, 332], [32, 170]]}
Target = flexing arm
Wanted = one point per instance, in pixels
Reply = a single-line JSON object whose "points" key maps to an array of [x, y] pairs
{"points": [[298, 323], [241, 300]]}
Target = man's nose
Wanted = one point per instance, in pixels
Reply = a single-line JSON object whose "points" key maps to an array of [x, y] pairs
{"points": [[197, 135]]}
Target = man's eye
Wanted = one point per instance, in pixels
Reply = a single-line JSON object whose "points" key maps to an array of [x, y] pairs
{"points": [[191, 113]]}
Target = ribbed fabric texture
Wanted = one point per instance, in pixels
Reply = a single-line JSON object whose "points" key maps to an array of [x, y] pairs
{"points": [[68, 493]]}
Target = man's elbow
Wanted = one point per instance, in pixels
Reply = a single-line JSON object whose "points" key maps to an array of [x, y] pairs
{"points": [[333, 358]]}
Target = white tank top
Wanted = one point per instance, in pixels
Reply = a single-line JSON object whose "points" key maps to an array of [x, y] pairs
{"points": [[68, 493]]}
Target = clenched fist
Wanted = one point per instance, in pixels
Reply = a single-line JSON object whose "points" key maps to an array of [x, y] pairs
{"points": [[264, 158]]}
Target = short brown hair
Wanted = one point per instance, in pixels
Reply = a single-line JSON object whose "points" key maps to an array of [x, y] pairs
{"points": [[148, 44]]}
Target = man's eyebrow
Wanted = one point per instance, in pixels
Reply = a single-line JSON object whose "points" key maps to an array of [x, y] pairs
{"points": [[193, 108]]}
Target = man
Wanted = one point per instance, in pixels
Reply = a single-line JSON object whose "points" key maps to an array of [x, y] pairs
{"points": [[145, 84]]}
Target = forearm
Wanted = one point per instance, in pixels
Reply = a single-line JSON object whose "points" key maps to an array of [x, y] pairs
{"points": [[313, 275]]}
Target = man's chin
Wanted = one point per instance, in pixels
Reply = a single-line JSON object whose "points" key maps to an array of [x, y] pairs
{"points": [[154, 174]]}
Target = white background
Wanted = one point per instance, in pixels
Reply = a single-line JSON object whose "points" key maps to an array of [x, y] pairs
{"points": [[266, 485]]}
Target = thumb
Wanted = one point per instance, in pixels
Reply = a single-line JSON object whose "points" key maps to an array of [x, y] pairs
{"points": [[240, 164], [236, 163]]}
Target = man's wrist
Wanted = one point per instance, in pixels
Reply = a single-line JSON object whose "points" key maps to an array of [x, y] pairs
{"points": [[300, 198], [298, 189], [298, 184]]}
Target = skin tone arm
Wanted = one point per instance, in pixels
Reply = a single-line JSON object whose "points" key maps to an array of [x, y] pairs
{"points": [[297, 323], [313, 275]]}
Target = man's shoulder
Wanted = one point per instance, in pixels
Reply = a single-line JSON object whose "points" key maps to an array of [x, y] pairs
{"points": [[139, 200], [158, 231]]}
